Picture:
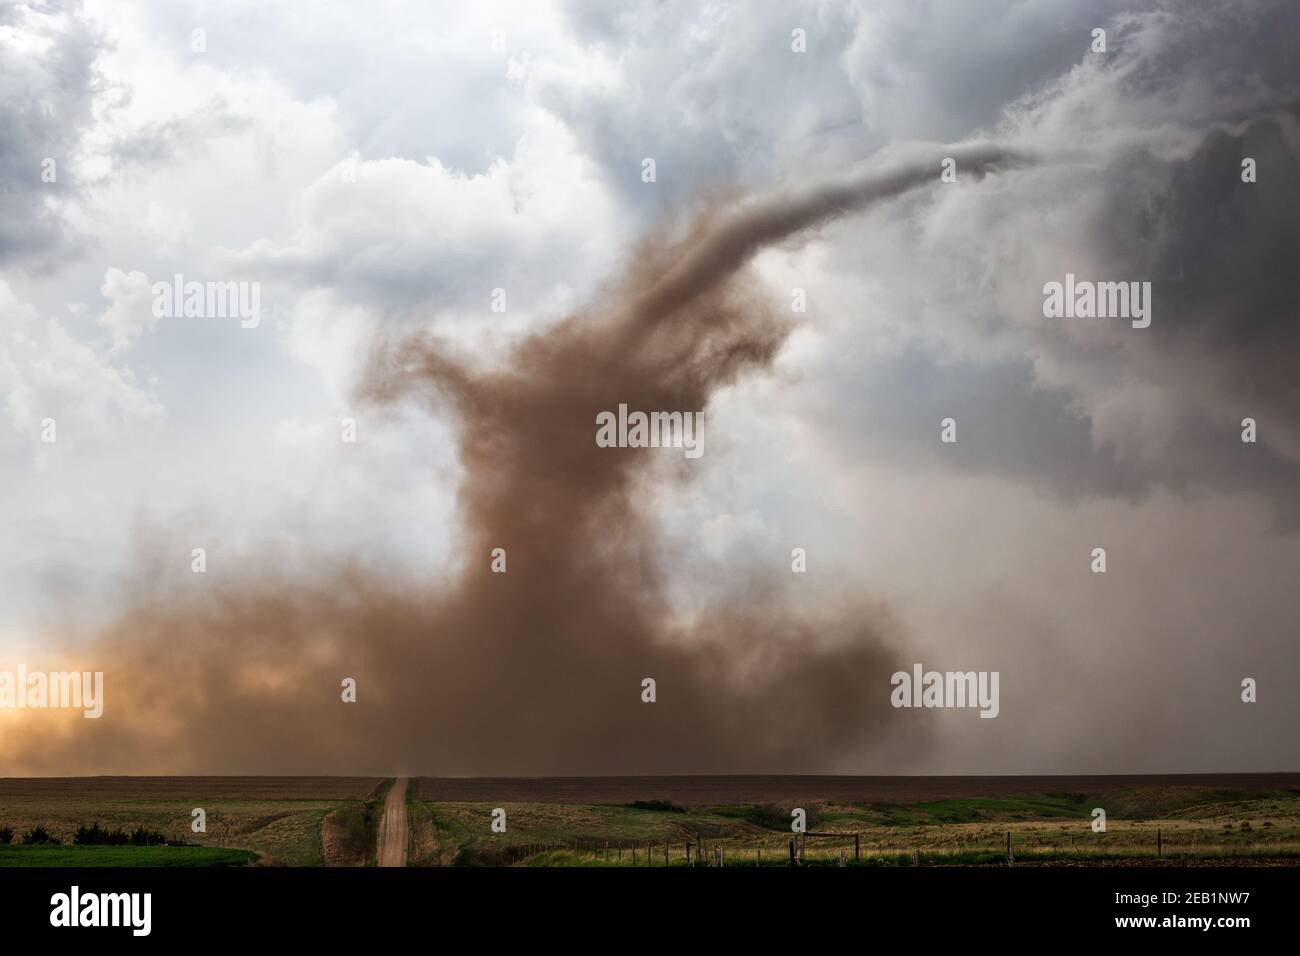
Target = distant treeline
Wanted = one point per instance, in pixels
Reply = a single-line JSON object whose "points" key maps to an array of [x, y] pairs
{"points": [[93, 835]]}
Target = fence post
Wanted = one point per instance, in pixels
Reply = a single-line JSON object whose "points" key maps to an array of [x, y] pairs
{"points": [[793, 861], [856, 846], [1010, 859], [1159, 843]]}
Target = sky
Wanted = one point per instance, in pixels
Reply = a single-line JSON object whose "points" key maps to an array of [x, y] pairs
{"points": [[446, 211]]}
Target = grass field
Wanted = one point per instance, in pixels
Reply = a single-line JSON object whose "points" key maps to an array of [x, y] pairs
{"points": [[277, 818], [47, 855], [1145, 826], [1187, 821]]}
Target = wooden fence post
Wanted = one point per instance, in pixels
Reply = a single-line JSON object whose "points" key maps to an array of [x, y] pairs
{"points": [[856, 846], [793, 861], [1159, 843], [1010, 859]]}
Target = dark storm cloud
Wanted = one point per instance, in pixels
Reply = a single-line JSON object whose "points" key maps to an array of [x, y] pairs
{"points": [[1229, 252], [1221, 254], [45, 104], [1011, 426], [1159, 127], [538, 670], [1008, 424]]}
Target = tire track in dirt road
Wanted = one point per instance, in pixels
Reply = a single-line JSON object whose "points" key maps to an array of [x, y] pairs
{"points": [[392, 828]]}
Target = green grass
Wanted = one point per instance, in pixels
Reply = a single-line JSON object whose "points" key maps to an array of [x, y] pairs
{"points": [[280, 822], [283, 832], [977, 809], [1051, 827], [62, 855], [781, 858]]}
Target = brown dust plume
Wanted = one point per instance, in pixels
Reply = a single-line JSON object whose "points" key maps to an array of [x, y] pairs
{"points": [[537, 670]]}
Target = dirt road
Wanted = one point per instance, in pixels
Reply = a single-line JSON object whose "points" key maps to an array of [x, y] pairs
{"points": [[392, 828]]}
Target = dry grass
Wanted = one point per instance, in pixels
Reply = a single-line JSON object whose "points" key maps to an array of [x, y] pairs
{"points": [[278, 818], [282, 819]]}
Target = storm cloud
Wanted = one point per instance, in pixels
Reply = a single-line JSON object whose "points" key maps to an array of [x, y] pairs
{"points": [[502, 150]]}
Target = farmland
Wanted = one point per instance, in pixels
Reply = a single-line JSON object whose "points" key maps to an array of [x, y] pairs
{"points": [[882, 821], [279, 819]]}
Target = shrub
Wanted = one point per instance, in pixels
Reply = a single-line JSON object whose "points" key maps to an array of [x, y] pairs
{"points": [[37, 834], [6, 835], [351, 833], [143, 837], [778, 818], [663, 806], [97, 836], [486, 854]]}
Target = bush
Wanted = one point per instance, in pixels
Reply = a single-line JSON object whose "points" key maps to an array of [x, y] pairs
{"points": [[778, 818], [143, 837], [6, 835], [37, 835], [97, 836], [487, 854], [349, 834], [663, 806]]}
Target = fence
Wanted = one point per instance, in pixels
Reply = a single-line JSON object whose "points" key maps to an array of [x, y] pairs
{"points": [[696, 852]]}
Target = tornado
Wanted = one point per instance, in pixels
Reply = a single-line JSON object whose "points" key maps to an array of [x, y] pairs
{"points": [[540, 667]]}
